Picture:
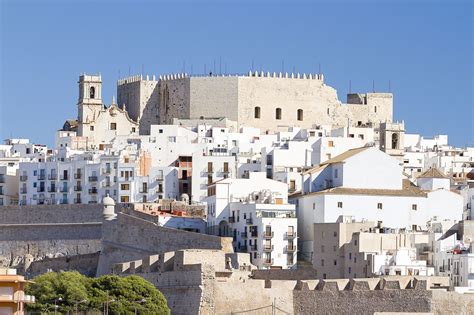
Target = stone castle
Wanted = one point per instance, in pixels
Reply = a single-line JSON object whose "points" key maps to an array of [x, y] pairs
{"points": [[268, 101]]}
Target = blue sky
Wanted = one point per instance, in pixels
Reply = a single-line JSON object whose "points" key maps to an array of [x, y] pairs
{"points": [[424, 48]]}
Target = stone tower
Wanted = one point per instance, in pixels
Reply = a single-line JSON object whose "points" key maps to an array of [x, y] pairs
{"points": [[90, 98], [392, 136]]}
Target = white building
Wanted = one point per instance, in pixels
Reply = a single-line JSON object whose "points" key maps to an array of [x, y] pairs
{"points": [[256, 213], [368, 184]]}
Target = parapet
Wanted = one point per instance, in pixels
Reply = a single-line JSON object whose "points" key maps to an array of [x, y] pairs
{"points": [[250, 74], [135, 78]]}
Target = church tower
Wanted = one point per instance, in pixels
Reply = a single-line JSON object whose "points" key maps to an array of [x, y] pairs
{"points": [[90, 98], [392, 136]]}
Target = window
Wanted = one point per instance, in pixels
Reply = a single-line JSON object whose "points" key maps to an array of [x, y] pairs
{"points": [[92, 92], [125, 186], [335, 262], [379, 206], [335, 234], [339, 204], [133, 129], [299, 114], [334, 248], [350, 256], [350, 270], [257, 112], [394, 141], [314, 205], [375, 109], [330, 144], [278, 114], [113, 126], [92, 128], [414, 207], [322, 248], [335, 173], [322, 262]]}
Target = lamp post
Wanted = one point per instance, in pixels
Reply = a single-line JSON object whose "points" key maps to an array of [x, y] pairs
{"points": [[79, 302], [140, 301], [55, 304]]}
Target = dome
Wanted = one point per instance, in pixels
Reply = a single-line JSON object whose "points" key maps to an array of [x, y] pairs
{"points": [[108, 201]]}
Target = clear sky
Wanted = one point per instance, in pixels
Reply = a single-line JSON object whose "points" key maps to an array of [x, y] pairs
{"points": [[424, 48]]}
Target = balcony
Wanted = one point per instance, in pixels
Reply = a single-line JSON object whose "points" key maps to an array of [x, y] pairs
{"points": [[41, 201], [268, 235], [93, 191], [2, 179], [249, 221], [1, 192], [78, 188], [243, 248], [92, 201], [254, 234], [93, 178], [77, 200], [106, 171], [77, 175], [52, 189], [231, 219], [290, 235], [268, 248], [253, 247], [64, 201], [107, 184], [23, 178], [41, 177], [22, 202], [268, 262], [23, 190], [64, 177], [64, 189], [40, 189], [243, 234], [290, 248], [144, 191], [53, 176]]}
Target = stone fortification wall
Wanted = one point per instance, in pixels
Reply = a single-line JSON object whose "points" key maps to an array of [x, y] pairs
{"points": [[285, 274], [85, 264], [31, 233], [130, 238], [236, 97]]}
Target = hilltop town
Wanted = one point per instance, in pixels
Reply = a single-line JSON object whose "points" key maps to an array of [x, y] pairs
{"points": [[259, 192]]}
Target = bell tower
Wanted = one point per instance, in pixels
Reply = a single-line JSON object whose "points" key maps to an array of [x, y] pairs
{"points": [[392, 136], [90, 97]]}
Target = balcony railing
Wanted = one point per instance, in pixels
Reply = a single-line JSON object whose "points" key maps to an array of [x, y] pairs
{"points": [[77, 200], [64, 177], [77, 175], [93, 191], [41, 177], [231, 219], [92, 201], [253, 247], [23, 190], [144, 191], [254, 234], [40, 189], [268, 262], [64, 189], [106, 170], [249, 221], [22, 202], [268, 248], [290, 235], [53, 176], [243, 248], [290, 248], [243, 234], [159, 178], [2, 179], [52, 189], [93, 178], [268, 234], [77, 188], [23, 178], [64, 201], [107, 184]]}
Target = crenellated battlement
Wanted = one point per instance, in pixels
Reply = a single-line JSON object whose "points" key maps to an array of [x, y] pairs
{"points": [[136, 78], [255, 74]]}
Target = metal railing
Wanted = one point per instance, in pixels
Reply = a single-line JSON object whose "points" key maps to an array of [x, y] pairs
{"points": [[23, 178], [268, 234], [53, 176], [41, 177], [93, 191], [52, 189], [64, 177], [268, 262], [77, 200], [40, 189], [243, 234], [64, 189], [93, 178], [78, 188], [249, 221], [77, 175], [268, 248], [23, 190], [231, 219]]}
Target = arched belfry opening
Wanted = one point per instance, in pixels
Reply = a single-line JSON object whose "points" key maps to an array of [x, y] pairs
{"points": [[394, 140], [92, 92]]}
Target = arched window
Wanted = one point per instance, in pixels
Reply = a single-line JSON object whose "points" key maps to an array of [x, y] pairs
{"points": [[257, 112], [375, 109], [92, 92], [300, 114], [394, 140], [278, 113]]}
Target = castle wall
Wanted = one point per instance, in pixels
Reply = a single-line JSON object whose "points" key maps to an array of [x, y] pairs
{"points": [[130, 238], [173, 99], [85, 264], [35, 232]]}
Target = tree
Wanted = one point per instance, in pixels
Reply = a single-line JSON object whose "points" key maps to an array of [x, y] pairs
{"points": [[71, 291]]}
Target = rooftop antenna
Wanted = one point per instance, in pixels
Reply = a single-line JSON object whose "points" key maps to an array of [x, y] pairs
{"points": [[220, 65], [119, 73], [184, 66], [283, 66], [373, 86], [129, 70], [225, 67], [389, 86], [142, 68], [205, 70], [192, 69], [261, 67], [319, 68], [214, 66], [350, 86], [252, 65]]}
